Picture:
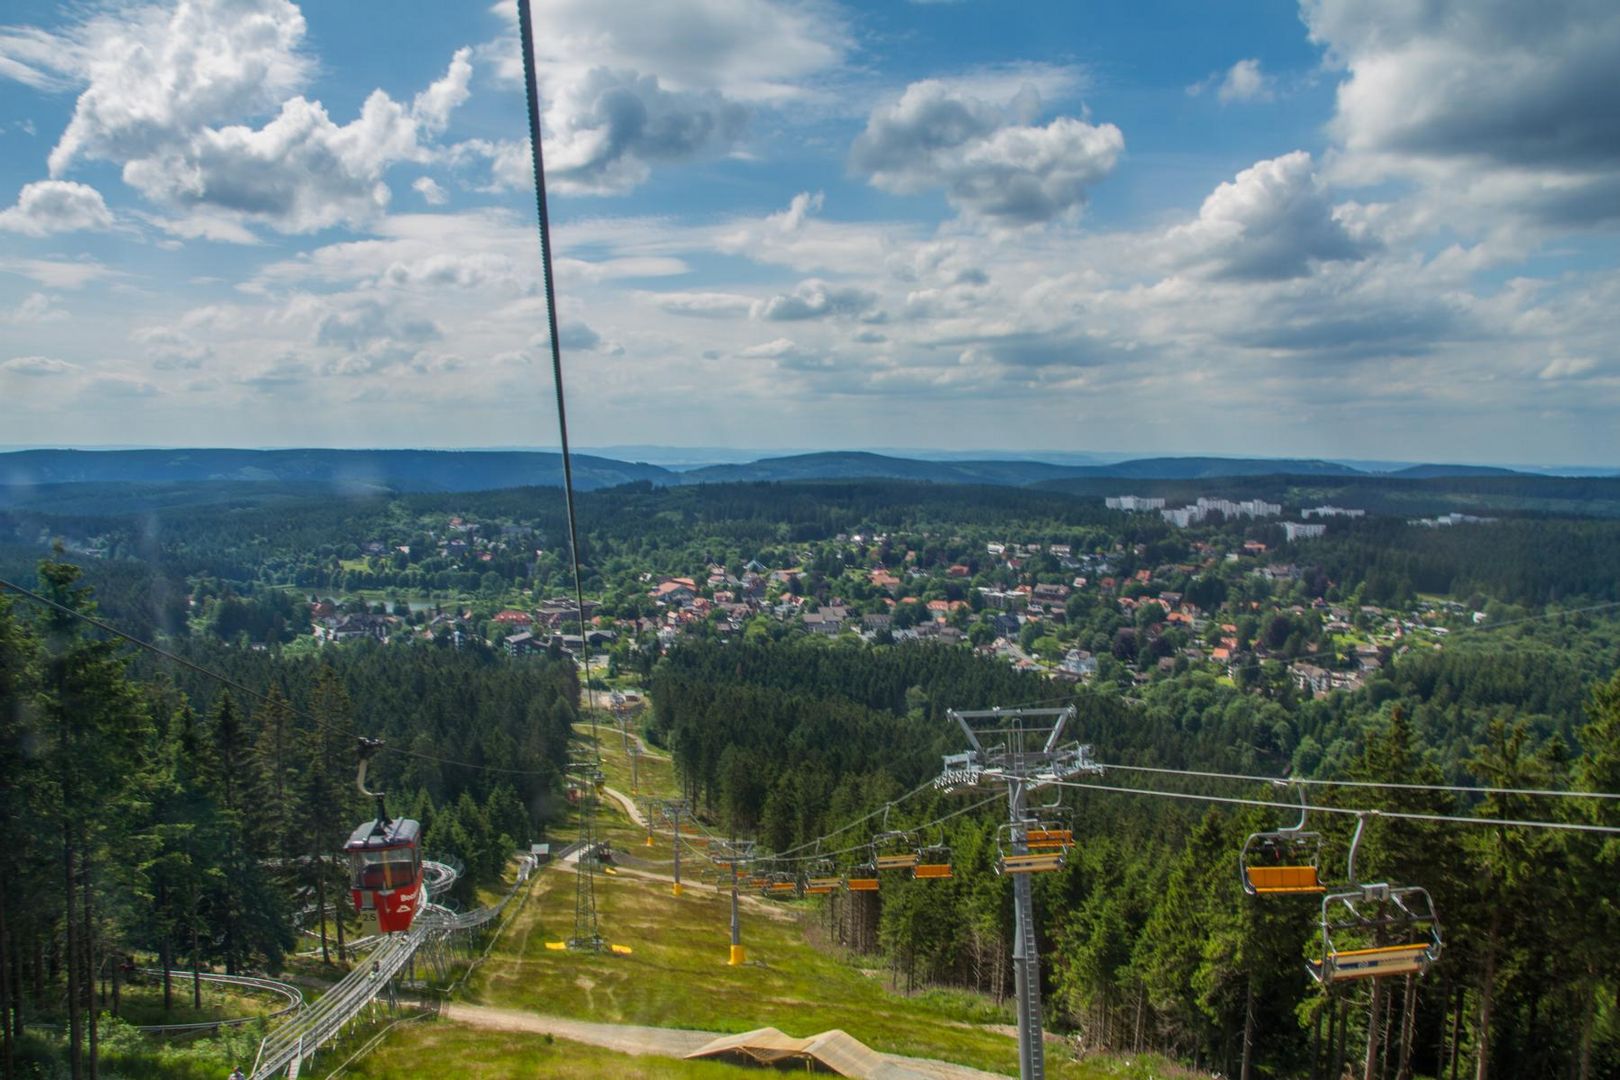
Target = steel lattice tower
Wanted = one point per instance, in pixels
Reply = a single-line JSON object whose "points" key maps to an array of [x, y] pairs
{"points": [[1018, 749], [586, 933]]}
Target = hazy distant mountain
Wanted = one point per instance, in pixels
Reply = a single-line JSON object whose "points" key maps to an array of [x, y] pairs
{"points": [[1197, 468], [1429, 472], [349, 470], [357, 471], [848, 466]]}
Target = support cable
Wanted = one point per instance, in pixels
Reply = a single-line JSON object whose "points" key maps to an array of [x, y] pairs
{"points": [[1460, 788], [1405, 815], [532, 91]]}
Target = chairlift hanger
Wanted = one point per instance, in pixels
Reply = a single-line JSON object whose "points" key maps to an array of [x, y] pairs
{"points": [[1283, 862], [1357, 926]]}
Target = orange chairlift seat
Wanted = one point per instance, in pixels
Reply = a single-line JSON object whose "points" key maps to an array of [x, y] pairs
{"points": [[1013, 861], [862, 878], [933, 863], [1283, 862], [1375, 930], [894, 851]]}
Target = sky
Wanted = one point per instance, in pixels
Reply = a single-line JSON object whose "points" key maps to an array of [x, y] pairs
{"points": [[1334, 228]]}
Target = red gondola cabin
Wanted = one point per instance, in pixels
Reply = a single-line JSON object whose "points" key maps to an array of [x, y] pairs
{"points": [[385, 874]]}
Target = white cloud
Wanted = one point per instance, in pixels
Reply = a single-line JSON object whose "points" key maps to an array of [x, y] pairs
{"points": [[703, 305], [748, 50], [38, 59], [156, 75], [990, 165], [60, 273], [815, 299], [433, 106], [166, 96], [431, 192], [1244, 81], [55, 206], [663, 82], [1504, 106], [609, 126], [1274, 221], [35, 308], [38, 366]]}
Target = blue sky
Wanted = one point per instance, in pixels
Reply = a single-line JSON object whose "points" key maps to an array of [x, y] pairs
{"points": [[1337, 228]]}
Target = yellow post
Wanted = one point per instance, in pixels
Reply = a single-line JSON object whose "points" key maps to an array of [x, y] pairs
{"points": [[677, 888], [736, 956], [649, 840]]}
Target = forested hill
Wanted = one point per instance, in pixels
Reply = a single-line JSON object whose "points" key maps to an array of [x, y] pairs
{"points": [[351, 470], [33, 476]]}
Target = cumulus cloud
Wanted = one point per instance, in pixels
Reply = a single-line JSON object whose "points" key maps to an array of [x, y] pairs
{"points": [[1272, 222], [366, 321], [664, 82], [609, 126], [56, 206], [165, 85], [299, 173], [1495, 100], [433, 106], [155, 74], [992, 163], [38, 366], [748, 50], [815, 299]]}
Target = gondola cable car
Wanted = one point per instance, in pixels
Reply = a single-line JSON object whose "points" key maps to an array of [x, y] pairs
{"points": [[385, 861], [1375, 930]]}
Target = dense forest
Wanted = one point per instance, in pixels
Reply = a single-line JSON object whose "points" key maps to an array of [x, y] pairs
{"points": [[1149, 939], [159, 811], [149, 809]]}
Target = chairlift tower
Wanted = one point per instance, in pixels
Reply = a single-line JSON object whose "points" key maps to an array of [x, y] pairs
{"points": [[1021, 750], [736, 852], [671, 810], [587, 935]]}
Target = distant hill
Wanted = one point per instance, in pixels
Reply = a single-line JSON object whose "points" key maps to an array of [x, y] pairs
{"points": [[347, 470], [1199, 468], [1430, 472], [840, 465]]}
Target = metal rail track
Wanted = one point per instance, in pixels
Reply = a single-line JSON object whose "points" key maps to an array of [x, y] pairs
{"points": [[295, 1042], [288, 992]]}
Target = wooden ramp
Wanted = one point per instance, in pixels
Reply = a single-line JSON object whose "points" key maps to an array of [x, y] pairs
{"points": [[834, 1052]]}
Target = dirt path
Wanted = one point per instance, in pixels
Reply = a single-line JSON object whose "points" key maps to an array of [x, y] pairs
{"points": [[625, 1038], [670, 1042], [628, 804]]}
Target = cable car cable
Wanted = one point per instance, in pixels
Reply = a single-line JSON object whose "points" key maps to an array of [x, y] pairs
{"points": [[1405, 815], [1540, 792], [532, 94]]}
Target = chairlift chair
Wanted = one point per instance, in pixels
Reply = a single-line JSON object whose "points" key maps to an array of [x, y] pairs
{"points": [[1375, 930], [933, 862], [1283, 862], [894, 851], [821, 879], [1009, 838], [862, 878]]}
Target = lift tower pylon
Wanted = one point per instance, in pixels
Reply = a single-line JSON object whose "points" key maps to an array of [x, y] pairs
{"points": [[1020, 750]]}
